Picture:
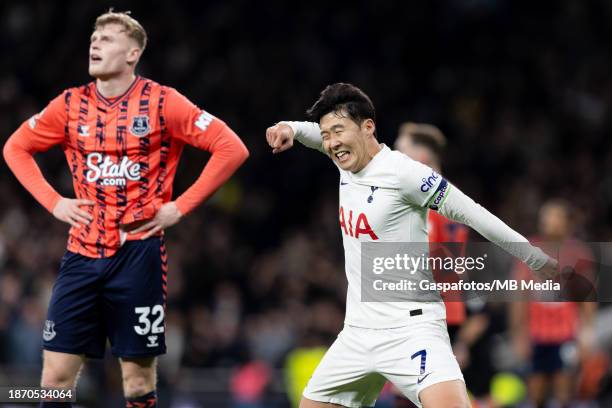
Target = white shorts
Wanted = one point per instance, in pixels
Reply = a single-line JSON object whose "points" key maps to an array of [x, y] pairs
{"points": [[356, 367]]}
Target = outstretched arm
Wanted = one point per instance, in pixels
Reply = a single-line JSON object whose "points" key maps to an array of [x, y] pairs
{"points": [[280, 136], [424, 187], [459, 207]]}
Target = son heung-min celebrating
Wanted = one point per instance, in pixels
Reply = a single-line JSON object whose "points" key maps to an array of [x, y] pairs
{"points": [[384, 197]]}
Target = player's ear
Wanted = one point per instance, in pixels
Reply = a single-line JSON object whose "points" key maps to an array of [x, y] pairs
{"points": [[369, 126], [133, 55]]}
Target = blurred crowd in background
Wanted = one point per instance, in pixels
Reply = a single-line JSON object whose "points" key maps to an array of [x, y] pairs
{"points": [[522, 90]]}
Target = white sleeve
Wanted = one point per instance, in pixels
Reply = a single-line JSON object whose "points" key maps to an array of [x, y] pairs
{"points": [[455, 205], [418, 182], [307, 133]]}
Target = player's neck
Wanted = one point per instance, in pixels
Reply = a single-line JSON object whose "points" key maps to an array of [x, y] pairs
{"points": [[372, 149], [113, 87]]}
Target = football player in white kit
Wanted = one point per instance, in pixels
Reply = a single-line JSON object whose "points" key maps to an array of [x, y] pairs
{"points": [[384, 197]]}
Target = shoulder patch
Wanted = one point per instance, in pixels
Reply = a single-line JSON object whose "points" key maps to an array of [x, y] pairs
{"points": [[204, 120]]}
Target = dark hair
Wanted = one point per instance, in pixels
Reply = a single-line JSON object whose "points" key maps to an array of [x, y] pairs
{"points": [[343, 97]]}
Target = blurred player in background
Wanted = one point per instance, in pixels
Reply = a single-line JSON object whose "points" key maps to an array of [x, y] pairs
{"points": [[122, 136], [554, 337], [384, 197], [426, 143]]}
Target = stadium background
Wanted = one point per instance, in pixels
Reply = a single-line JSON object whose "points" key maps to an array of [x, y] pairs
{"points": [[523, 91]]}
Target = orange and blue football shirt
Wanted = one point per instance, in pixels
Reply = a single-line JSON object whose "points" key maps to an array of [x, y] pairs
{"points": [[122, 154], [442, 230], [557, 322]]}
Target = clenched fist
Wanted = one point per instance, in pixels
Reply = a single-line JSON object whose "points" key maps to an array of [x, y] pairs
{"points": [[280, 137]]}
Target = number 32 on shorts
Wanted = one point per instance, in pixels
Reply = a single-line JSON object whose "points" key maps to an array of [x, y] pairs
{"points": [[150, 319]]}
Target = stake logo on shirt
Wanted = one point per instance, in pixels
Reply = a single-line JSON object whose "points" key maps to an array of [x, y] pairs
{"points": [[111, 173]]}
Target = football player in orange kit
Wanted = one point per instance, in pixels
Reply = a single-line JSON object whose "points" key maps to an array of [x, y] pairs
{"points": [[555, 338], [122, 136]]}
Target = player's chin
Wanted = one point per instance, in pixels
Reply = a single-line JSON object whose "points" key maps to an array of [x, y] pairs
{"points": [[94, 71], [347, 165], [98, 72]]}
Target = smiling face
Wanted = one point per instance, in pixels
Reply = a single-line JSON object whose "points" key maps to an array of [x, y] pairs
{"points": [[349, 144], [112, 52]]}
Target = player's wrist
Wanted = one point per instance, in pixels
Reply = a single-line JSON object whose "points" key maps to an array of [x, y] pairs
{"points": [[181, 207], [178, 211], [53, 202]]}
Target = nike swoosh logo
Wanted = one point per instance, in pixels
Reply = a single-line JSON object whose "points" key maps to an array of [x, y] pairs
{"points": [[421, 379], [342, 183]]}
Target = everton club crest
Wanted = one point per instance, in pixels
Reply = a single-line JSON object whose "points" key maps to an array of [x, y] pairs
{"points": [[140, 126]]}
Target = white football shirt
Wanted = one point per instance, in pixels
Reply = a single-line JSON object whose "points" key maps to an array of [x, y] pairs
{"points": [[387, 201]]}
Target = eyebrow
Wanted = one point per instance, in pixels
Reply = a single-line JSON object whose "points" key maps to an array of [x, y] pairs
{"points": [[102, 37], [333, 128]]}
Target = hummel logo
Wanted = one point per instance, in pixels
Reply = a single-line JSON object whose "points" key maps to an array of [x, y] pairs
{"points": [[421, 379], [152, 341]]}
